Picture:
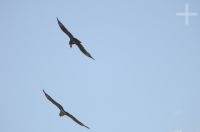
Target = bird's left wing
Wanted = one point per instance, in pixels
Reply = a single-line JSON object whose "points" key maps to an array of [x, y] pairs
{"points": [[53, 101], [64, 29]]}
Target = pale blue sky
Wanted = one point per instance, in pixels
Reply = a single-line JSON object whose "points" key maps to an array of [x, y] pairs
{"points": [[145, 77]]}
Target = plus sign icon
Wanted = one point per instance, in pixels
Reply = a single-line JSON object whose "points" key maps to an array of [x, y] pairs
{"points": [[186, 14]]}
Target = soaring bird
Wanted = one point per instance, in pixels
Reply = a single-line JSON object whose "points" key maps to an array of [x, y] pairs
{"points": [[74, 40], [62, 111]]}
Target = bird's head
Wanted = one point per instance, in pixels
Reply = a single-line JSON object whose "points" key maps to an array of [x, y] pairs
{"points": [[70, 45], [61, 113], [71, 42]]}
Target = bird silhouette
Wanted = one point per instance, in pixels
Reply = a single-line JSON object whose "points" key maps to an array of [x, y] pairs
{"points": [[62, 111], [74, 40]]}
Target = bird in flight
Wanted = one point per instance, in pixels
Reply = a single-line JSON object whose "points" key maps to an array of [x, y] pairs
{"points": [[62, 111], [74, 40]]}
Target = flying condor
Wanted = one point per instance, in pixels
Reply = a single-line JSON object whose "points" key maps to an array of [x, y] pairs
{"points": [[62, 111], [74, 40]]}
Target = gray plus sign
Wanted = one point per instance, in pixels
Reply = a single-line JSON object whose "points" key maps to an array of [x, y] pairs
{"points": [[186, 14]]}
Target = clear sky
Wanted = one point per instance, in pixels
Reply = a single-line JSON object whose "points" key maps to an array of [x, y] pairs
{"points": [[146, 76]]}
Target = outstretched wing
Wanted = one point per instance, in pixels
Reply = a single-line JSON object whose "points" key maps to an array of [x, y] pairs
{"points": [[76, 120], [80, 46], [64, 29], [53, 101]]}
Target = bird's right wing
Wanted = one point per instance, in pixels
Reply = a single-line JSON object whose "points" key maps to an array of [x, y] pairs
{"points": [[64, 29], [76, 120], [80, 46], [53, 101]]}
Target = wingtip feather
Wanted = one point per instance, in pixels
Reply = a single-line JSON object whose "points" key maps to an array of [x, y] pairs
{"points": [[44, 91], [87, 127]]}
